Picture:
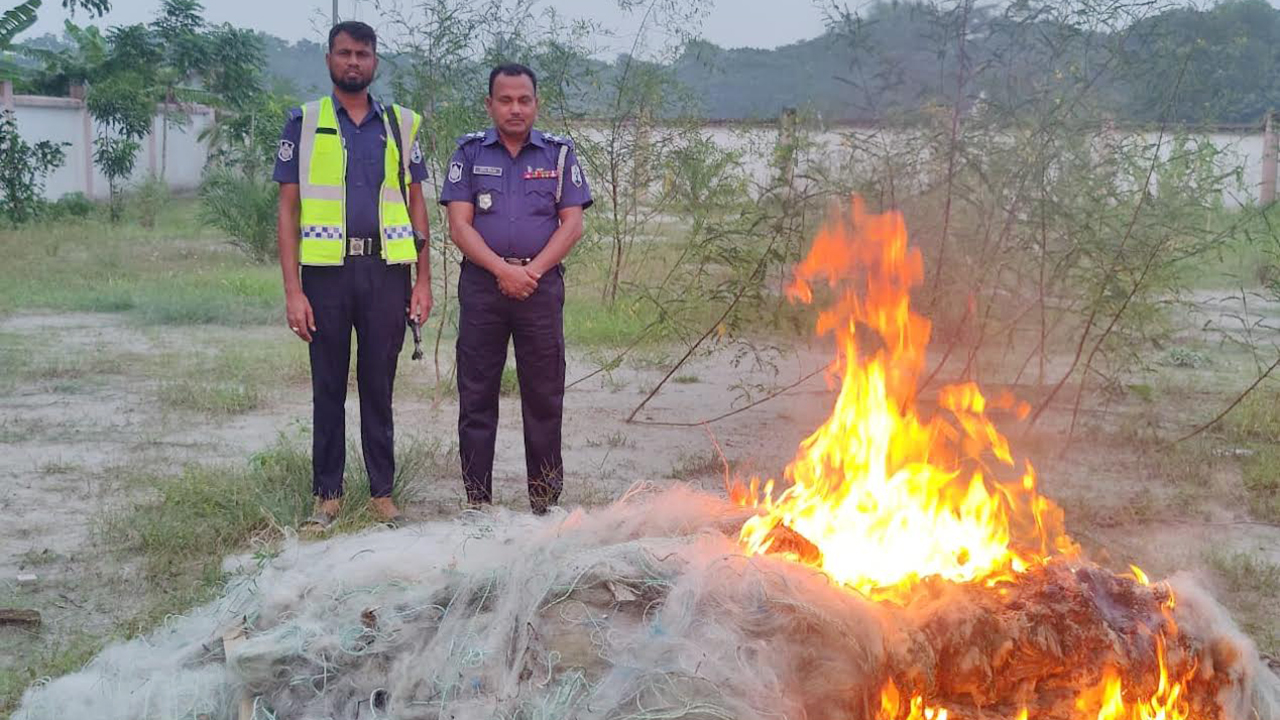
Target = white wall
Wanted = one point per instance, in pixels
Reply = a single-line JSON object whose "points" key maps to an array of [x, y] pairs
{"points": [[67, 120]]}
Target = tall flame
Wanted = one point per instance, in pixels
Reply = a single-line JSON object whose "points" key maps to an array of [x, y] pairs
{"points": [[886, 497]]}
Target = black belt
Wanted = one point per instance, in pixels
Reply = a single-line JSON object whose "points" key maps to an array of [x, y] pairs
{"points": [[364, 246]]}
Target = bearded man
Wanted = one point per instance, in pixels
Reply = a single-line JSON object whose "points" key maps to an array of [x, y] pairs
{"points": [[350, 228]]}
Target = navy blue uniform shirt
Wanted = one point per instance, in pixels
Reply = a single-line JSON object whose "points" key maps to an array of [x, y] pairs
{"points": [[366, 145], [515, 197]]}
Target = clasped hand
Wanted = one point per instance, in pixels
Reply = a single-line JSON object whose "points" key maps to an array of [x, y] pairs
{"points": [[518, 282]]}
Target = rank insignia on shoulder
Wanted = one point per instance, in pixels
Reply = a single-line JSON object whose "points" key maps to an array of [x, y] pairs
{"points": [[557, 139], [471, 136]]}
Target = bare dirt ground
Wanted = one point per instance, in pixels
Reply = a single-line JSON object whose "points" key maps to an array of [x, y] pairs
{"points": [[69, 433]]}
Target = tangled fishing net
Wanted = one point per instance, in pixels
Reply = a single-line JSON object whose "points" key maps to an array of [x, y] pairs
{"points": [[645, 609]]}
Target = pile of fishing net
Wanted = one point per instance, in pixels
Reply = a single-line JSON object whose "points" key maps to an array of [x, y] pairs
{"points": [[644, 609]]}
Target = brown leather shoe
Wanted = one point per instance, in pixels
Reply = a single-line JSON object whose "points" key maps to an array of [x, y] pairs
{"points": [[323, 517], [387, 511]]}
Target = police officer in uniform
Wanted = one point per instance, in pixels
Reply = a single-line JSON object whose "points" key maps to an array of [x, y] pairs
{"points": [[352, 215], [515, 199]]}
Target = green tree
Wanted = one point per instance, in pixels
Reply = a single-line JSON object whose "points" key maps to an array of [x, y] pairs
{"points": [[77, 64], [123, 106], [23, 168], [184, 55], [233, 74], [18, 19]]}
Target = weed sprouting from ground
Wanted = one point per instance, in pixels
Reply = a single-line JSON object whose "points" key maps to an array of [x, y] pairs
{"points": [[52, 659], [189, 523]]}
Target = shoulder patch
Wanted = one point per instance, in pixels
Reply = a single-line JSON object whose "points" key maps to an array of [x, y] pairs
{"points": [[558, 139]]}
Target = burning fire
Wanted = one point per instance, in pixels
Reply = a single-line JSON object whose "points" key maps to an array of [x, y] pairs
{"points": [[1166, 703], [885, 497], [880, 498]]}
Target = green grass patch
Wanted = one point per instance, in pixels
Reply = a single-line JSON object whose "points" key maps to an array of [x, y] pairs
{"points": [[1252, 583], [1261, 473], [219, 398], [589, 322], [1185, 464], [56, 467], [192, 521], [1242, 571], [1257, 417], [695, 465], [510, 384], [232, 379], [50, 659], [615, 439], [176, 272], [1246, 256], [15, 360]]}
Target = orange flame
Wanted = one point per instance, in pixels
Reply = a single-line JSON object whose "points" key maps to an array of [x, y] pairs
{"points": [[890, 706], [1167, 702], [885, 497]]}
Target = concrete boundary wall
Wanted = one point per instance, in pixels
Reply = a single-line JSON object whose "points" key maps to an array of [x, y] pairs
{"points": [[180, 156]]}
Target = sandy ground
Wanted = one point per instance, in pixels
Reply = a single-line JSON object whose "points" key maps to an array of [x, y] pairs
{"points": [[64, 445]]}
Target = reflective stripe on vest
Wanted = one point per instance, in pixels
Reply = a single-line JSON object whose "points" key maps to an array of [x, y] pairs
{"points": [[322, 160]]}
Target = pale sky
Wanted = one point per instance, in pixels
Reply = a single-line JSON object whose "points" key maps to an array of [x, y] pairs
{"points": [[732, 23]]}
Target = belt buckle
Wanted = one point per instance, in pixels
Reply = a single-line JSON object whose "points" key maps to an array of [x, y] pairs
{"points": [[356, 246], [516, 261]]}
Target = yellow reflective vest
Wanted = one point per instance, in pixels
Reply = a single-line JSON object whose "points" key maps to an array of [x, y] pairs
{"points": [[322, 175]]}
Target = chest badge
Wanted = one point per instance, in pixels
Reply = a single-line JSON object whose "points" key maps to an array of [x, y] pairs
{"points": [[484, 201], [541, 174]]}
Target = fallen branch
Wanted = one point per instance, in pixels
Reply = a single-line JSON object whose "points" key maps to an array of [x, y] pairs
{"points": [[731, 413], [1232, 406], [22, 618]]}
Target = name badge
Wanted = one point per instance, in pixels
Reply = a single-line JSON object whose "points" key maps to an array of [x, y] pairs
{"points": [[486, 170]]}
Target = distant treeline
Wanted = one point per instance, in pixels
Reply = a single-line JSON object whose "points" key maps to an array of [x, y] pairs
{"points": [[897, 59]]}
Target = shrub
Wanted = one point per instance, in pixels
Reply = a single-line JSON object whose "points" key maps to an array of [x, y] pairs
{"points": [[244, 207]]}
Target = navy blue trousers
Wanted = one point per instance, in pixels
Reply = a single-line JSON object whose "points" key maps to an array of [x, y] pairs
{"points": [[487, 322], [369, 296]]}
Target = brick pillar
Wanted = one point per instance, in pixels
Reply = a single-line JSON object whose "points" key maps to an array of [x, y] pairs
{"points": [[86, 123], [1267, 194]]}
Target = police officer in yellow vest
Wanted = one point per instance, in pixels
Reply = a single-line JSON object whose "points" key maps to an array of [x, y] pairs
{"points": [[351, 214]]}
